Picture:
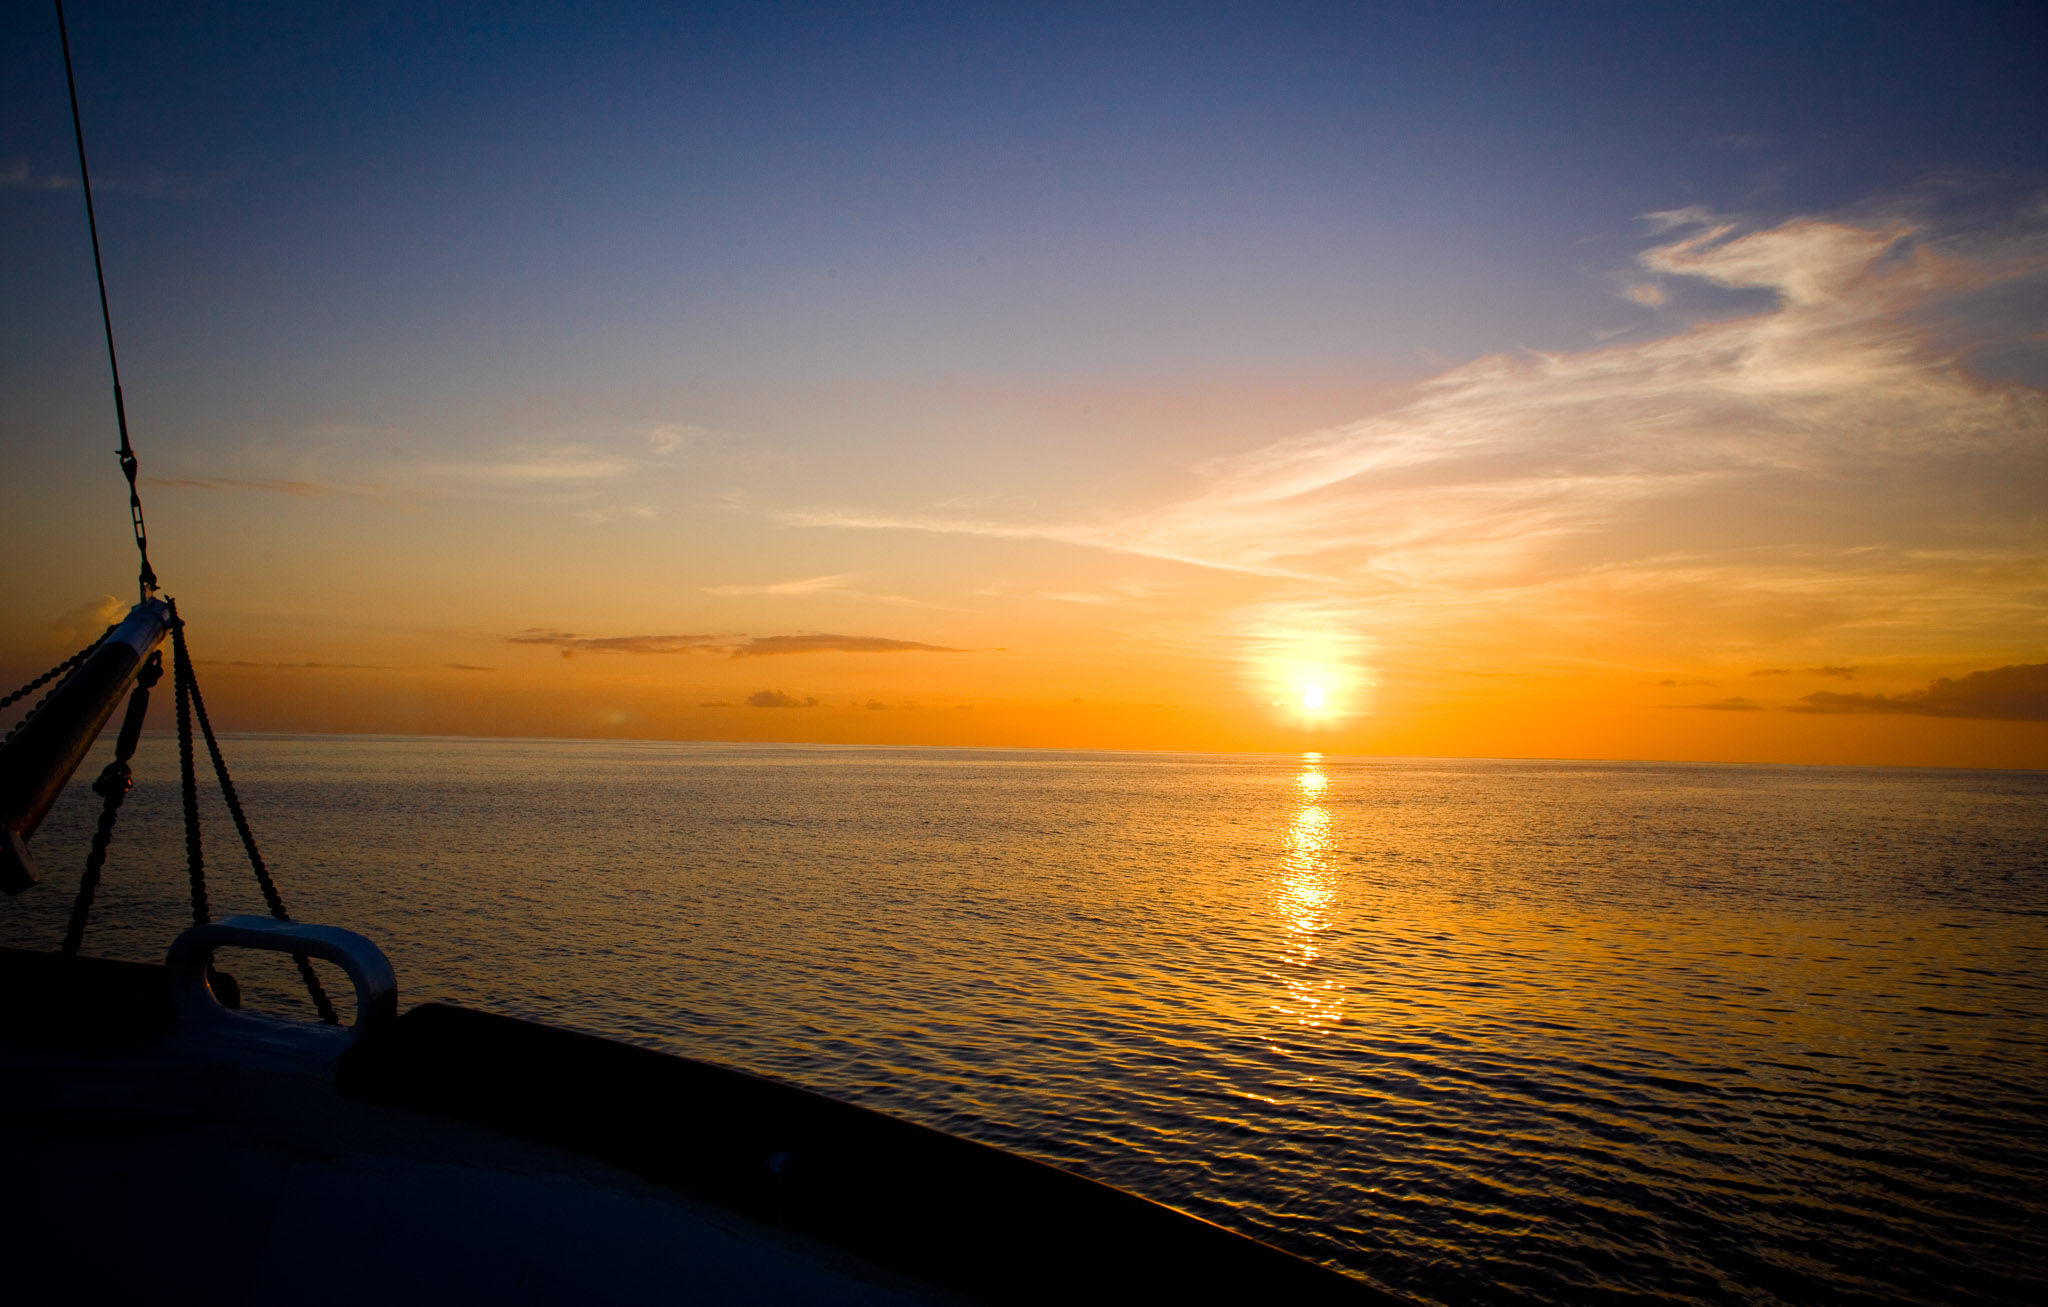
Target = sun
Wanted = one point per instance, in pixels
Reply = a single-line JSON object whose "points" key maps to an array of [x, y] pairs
{"points": [[1312, 698]]}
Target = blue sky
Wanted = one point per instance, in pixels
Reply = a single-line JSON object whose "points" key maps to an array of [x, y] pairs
{"points": [[776, 192]]}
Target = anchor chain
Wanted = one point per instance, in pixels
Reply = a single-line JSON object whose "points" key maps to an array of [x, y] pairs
{"points": [[61, 669], [190, 705], [115, 780]]}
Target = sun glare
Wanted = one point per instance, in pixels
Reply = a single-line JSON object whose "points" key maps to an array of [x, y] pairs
{"points": [[1308, 664]]}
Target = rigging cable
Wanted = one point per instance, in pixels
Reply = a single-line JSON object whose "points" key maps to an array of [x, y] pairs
{"points": [[146, 578], [116, 779]]}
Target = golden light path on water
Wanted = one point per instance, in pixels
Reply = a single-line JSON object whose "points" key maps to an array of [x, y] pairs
{"points": [[1307, 894]]}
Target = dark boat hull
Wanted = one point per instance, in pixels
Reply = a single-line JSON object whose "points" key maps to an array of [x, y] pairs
{"points": [[973, 1218], [934, 1209]]}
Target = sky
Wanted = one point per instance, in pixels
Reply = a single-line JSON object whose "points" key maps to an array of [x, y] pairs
{"points": [[1481, 380]]}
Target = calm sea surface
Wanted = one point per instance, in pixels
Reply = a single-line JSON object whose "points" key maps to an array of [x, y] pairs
{"points": [[1474, 1031]]}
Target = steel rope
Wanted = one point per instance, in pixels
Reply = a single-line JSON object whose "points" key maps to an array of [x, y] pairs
{"points": [[146, 578]]}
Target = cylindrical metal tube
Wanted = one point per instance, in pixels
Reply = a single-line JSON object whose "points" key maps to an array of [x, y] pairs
{"points": [[43, 754]]}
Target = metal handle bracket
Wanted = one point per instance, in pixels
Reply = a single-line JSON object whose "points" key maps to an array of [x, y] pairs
{"points": [[198, 1010]]}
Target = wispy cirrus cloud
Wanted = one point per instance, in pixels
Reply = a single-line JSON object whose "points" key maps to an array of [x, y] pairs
{"points": [[1494, 471], [567, 464], [1112, 594], [668, 438], [822, 585], [358, 461], [18, 172], [151, 183], [808, 585], [602, 478], [297, 489], [767, 645], [737, 646], [1821, 466]]}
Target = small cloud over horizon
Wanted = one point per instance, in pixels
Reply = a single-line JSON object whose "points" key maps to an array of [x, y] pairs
{"points": [[86, 620], [570, 643], [2015, 693], [796, 644], [777, 699], [297, 667]]}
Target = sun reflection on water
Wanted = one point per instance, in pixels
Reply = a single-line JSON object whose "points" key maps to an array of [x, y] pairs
{"points": [[1307, 893]]}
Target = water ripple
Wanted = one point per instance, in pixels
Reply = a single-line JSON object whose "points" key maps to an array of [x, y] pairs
{"points": [[1477, 1032]]}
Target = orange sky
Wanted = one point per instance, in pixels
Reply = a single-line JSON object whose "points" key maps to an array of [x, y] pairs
{"points": [[1759, 537]]}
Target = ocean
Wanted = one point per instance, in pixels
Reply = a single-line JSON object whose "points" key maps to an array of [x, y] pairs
{"points": [[1473, 1031]]}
